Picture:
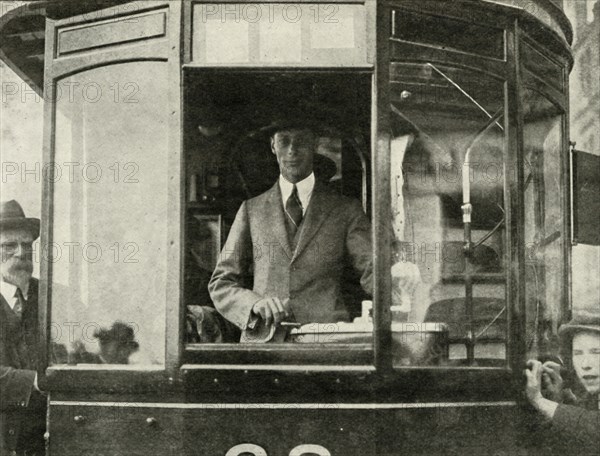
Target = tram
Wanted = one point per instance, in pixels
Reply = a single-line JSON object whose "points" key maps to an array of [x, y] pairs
{"points": [[448, 122]]}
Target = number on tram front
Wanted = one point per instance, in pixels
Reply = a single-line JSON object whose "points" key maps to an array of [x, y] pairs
{"points": [[260, 451]]}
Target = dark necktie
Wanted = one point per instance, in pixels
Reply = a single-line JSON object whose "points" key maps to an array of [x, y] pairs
{"points": [[293, 209], [20, 304]]}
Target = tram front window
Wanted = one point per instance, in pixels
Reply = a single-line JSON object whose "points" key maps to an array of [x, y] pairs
{"points": [[544, 222], [238, 127], [109, 212], [447, 164]]}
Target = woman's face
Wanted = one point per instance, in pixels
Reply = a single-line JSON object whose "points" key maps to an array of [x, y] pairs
{"points": [[586, 360]]}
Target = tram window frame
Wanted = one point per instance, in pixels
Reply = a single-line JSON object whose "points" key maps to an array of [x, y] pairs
{"points": [[446, 19], [440, 379], [351, 354], [205, 354], [543, 86], [500, 362], [513, 80]]}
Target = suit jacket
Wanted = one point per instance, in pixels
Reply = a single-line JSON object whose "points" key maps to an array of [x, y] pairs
{"points": [[22, 412], [257, 260]]}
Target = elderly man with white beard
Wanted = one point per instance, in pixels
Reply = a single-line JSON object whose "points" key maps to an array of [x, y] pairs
{"points": [[22, 404]]}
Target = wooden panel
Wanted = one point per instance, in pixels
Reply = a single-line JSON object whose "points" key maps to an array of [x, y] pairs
{"points": [[279, 429], [114, 428], [447, 429], [110, 33], [365, 429]]}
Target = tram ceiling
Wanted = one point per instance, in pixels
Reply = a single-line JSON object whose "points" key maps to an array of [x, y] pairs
{"points": [[22, 49]]}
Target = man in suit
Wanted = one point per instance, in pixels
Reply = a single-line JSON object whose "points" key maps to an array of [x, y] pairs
{"points": [[285, 254], [22, 404]]}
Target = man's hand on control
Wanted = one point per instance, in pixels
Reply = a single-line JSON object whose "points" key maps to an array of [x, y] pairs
{"points": [[272, 310], [36, 386]]}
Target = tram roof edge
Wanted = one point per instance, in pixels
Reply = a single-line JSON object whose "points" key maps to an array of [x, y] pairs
{"points": [[22, 26], [550, 12]]}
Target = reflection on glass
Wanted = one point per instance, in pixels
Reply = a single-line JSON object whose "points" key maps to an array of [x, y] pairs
{"points": [[544, 237], [447, 213], [109, 248]]}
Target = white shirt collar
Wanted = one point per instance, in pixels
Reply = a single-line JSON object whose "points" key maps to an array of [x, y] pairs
{"points": [[305, 189], [8, 290]]}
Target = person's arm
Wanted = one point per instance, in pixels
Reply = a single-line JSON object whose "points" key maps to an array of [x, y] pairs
{"points": [[405, 275], [571, 423], [358, 245], [16, 386], [577, 423], [226, 286]]}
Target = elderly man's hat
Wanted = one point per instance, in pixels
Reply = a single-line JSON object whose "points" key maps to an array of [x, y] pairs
{"points": [[12, 216], [583, 320]]}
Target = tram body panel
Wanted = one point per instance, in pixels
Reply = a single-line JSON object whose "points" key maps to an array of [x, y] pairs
{"points": [[197, 429], [413, 112]]}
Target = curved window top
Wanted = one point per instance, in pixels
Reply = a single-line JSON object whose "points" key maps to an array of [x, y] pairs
{"points": [[541, 66], [447, 33]]}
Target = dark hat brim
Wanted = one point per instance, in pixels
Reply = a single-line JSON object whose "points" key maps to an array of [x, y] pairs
{"points": [[30, 224], [318, 128], [567, 330]]}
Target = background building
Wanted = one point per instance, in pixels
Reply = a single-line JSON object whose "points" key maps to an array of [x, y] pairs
{"points": [[585, 128]]}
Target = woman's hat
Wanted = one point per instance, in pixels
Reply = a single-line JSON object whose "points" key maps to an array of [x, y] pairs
{"points": [[583, 320], [12, 216]]}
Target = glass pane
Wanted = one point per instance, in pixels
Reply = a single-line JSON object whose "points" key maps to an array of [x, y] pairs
{"points": [[542, 66], [448, 124], [279, 34], [448, 33], [239, 246], [544, 235], [109, 269]]}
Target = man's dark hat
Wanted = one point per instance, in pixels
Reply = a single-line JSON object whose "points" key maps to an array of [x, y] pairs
{"points": [[583, 320], [119, 332], [288, 123], [12, 216], [302, 119]]}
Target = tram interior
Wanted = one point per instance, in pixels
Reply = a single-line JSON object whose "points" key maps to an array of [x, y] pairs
{"points": [[228, 158]]}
